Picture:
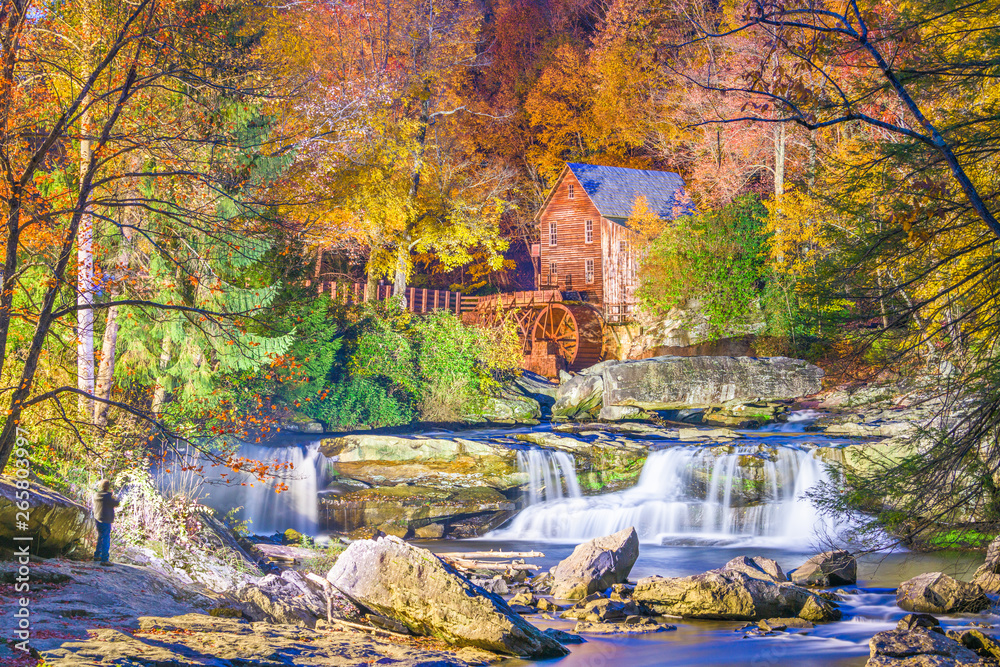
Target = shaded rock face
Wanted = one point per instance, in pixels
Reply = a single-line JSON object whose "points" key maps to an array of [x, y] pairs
{"points": [[57, 525], [579, 396], [414, 507], [596, 565], [416, 588], [919, 647], [831, 568], [731, 595], [662, 383], [937, 593]]}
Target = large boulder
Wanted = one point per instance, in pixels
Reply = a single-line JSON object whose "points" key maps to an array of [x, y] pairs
{"points": [[830, 568], [731, 595], [596, 565], [757, 567], [988, 575], [580, 396], [287, 599], [663, 383], [919, 647], [418, 589], [56, 524], [506, 408], [937, 593]]}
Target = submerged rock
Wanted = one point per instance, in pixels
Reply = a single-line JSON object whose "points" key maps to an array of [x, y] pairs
{"points": [[937, 593], [830, 568], [596, 565], [662, 383], [56, 524], [731, 595], [631, 626], [416, 588], [919, 647]]}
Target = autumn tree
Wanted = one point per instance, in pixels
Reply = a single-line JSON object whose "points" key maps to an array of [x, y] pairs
{"points": [[897, 217], [140, 116]]}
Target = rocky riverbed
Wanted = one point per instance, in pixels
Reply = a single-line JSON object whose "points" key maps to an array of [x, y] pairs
{"points": [[667, 517]]}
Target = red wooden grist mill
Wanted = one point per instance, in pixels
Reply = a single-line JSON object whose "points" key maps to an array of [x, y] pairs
{"points": [[586, 266], [586, 263]]}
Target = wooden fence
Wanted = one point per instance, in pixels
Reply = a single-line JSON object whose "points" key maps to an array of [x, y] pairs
{"points": [[418, 299]]}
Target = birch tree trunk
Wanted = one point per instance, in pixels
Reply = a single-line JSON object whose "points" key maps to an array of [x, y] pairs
{"points": [[84, 243], [779, 159]]}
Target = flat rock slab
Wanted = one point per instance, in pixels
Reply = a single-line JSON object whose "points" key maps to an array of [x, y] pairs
{"points": [[195, 639], [89, 596], [918, 648]]}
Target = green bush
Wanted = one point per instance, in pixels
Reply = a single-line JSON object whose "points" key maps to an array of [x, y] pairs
{"points": [[718, 258], [361, 401]]}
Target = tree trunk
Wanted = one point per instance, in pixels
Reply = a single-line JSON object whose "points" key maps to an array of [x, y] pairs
{"points": [[160, 393], [779, 159], [85, 247], [105, 375], [402, 266], [371, 290]]}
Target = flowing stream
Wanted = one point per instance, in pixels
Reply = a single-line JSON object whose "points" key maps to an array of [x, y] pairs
{"points": [[685, 493], [695, 507], [299, 471]]}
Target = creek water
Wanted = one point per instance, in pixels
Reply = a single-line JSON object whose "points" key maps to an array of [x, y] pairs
{"points": [[695, 507]]}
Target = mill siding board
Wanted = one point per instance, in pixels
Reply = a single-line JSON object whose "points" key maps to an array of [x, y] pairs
{"points": [[614, 191], [571, 250]]}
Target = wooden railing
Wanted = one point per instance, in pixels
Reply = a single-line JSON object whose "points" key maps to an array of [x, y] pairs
{"points": [[418, 299]]}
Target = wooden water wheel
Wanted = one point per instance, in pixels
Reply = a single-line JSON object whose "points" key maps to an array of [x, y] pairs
{"points": [[574, 332], [522, 316]]}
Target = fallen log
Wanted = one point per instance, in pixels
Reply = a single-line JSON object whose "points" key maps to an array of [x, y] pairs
{"points": [[472, 555]]}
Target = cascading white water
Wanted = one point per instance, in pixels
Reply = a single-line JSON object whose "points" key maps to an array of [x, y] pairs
{"points": [[547, 472], [698, 493], [299, 469]]}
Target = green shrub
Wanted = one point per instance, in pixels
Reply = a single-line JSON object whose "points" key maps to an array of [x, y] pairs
{"points": [[361, 401]]}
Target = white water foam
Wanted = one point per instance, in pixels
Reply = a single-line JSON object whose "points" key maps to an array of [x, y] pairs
{"points": [[548, 473], [698, 494], [300, 468]]}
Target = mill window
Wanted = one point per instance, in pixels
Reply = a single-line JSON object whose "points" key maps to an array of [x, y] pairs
{"points": [[552, 233], [588, 231], [588, 270]]}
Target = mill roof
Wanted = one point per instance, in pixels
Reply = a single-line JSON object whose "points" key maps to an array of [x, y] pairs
{"points": [[614, 190]]}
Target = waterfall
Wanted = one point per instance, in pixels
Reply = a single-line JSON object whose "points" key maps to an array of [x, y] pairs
{"points": [[547, 473], [300, 468], [685, 493]]}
